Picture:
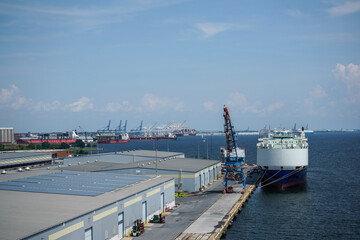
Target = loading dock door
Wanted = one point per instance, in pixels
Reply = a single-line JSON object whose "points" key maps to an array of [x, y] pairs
{"points": [[121, 225], [88, 234], [144, 211], [162, 201]]}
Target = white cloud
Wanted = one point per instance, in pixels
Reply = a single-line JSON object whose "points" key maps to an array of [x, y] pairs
{"points": [[240, 101], [6, 95], [210, 106], [317, 93], [237, 99], [11, 98], [41, 106], [20, 102], [117, 106], [273, 107], [296, 13], [314, 104], [350, 76], [211, 29], [85, 18], [82, 104], [344, 9], [151, 102]]}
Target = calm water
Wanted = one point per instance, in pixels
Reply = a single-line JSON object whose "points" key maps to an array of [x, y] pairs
{"points": [[327, 208]]}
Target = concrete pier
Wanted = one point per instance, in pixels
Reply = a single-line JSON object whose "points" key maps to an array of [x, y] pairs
{"points": [[217, 218], [203, 215]]}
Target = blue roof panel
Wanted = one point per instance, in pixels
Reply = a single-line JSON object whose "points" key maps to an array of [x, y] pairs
{"points": [[73, 183]]}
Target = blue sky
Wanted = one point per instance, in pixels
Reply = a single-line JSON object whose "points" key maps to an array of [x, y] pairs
{"points": [[70, 63]]}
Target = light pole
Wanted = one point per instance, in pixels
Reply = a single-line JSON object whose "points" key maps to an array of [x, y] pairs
{"points": [[207, 150], [211, 146], [156, 157], [198, 155]]}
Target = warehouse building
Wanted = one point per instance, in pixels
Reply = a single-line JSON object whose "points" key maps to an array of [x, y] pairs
{"points": [[190, 174], [7, 135], [16, 160], [49, 204], [124, 156]]}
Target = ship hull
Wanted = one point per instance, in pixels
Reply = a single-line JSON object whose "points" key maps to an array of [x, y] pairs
{"points": [[279, 180], [151, 139], [114, 141], [51, 141], [185, 135]]}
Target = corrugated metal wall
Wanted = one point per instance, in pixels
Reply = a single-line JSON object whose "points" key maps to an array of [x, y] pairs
{"points": [[104, 222]]}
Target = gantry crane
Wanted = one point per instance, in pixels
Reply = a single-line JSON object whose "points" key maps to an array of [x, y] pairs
{"points": [[234, 157]]}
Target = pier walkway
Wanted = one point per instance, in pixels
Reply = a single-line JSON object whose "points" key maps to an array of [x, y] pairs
{"points": [[216, 219], [205, 215]]}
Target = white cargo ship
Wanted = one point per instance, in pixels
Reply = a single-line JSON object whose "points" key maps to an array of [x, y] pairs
{"points": [[284, 158]]}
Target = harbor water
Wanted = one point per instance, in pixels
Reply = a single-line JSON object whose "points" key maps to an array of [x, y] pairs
{"points": [[328, 207]]}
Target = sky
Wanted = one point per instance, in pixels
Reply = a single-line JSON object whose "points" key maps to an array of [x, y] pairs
{"points": [[65, 64]]}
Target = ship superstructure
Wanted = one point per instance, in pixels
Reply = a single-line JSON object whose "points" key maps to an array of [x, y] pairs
{"points": [[284, 158]]}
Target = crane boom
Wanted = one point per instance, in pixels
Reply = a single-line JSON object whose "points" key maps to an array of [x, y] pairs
{"points": [[233, 156]]}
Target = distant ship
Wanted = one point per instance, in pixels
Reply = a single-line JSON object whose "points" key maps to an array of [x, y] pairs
{"points": [[283, 156], [52, 138], [153, 137], [306, 130], [112, 138], [186, 132]]}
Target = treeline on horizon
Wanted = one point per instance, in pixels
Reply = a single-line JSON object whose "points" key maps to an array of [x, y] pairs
{"points": [[45, 145]]}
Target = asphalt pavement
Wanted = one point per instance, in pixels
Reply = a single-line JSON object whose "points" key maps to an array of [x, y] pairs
{"points": [[188, 210]]}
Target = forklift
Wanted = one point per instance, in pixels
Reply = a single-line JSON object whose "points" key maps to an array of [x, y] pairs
{"points": [[158, 218], [138, 228]]}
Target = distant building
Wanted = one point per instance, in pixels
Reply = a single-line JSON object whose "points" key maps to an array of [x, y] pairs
{"points": [[18, 159], [7, 135]]}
